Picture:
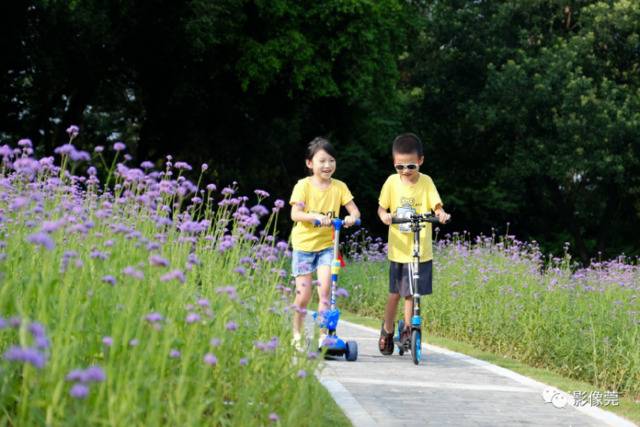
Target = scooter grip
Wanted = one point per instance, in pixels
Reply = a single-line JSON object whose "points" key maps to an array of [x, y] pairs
{"points": [[400, 220]]}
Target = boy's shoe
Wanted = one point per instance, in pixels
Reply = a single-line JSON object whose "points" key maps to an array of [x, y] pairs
{"points": [[385, 343], [405, 338]]}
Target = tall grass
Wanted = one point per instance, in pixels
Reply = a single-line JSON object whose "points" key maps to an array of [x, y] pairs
{"points": [[501, 296], [159, 303]]}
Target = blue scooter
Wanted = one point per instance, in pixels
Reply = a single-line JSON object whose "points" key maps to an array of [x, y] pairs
{"points": [[332, 344]]}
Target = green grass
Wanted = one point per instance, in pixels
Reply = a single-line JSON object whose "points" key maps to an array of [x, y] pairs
{"points": [[628, 408], [215, 309]]}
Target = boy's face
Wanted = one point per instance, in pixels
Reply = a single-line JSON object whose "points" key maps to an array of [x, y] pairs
{"points": [[407, 165]]}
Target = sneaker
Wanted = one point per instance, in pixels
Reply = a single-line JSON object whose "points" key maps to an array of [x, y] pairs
{"points": [[385, 343], [321, 340], [296, 342]]}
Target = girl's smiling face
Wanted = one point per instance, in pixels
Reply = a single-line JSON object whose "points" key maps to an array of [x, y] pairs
{"points": [[323, 165]]}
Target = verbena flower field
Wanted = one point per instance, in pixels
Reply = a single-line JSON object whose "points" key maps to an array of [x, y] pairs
{"points": [[161, 302], [502, 295]]}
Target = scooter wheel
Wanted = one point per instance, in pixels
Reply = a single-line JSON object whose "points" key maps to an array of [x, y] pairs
{"points": [[416, 346], [351, 353]]}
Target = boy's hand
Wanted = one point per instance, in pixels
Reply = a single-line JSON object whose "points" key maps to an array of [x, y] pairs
{"points": [[349, 221], [386, 218], [443, 217]]}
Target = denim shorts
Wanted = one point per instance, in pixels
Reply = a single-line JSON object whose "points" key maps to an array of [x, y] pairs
{"points": [[303, 262]]}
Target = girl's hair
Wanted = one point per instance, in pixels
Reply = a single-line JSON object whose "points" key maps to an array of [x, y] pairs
{"points": [[318, 144]]}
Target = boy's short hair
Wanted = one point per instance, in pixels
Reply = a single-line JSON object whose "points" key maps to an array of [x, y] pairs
{"points": [[407, 143]]}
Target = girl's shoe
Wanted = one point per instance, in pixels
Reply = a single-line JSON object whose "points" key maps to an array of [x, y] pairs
{"points": [[385, 343], [297, 343]]}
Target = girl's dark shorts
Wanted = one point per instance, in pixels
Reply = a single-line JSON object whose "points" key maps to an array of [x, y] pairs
{"points": [[399, 278]]}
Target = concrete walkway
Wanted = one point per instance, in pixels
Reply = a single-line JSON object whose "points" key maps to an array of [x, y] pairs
{"points": [[446, 389]]}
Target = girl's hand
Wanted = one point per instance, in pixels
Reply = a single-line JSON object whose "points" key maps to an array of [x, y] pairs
{"points": [[349, 221], [323, 219], [386, 218]]}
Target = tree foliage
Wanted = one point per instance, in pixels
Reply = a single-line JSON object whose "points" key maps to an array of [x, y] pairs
{"points": [[528, 109]]}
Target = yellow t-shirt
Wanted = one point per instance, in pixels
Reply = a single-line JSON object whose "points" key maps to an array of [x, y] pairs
{"points": [[402, 199], [304, 236]]}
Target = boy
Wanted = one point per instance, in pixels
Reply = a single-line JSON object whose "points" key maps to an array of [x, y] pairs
{"points": [[406, 192]]}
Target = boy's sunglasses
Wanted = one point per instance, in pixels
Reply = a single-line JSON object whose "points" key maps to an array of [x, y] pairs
{"points": [[410, 166]]}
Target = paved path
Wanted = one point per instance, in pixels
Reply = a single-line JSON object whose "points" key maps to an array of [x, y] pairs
{"points": [[447, 389]]}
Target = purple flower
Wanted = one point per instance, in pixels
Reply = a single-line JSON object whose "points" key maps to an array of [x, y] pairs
{"points": [[203, 302], [302, 373], [273, 417], [204, 167], [192, 318], [130, 271], [154, 317], [109, 279], [174, 354], [134, 342], [119, 146], [182, 166], [279, 204], [25, 143], [158, 261], [42, 239], [240, 270], [146, 165], [26, 355], [267, 346], [259, 210], [228, 191], [107, 341], [95, 374], [210, 359], [173, 275], [215, 342], [15, 322], [98, 149], [211, 187], [36, 330], [229, 290], [231, 326], [342, 292], [261, 193], [76, 375], [73, 131], [244, 361], [79, 391]]}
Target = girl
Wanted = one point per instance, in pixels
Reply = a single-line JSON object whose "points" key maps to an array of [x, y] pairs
{"points": [[317, 197]]}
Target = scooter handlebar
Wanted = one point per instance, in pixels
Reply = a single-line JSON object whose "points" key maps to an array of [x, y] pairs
{"points": [[417, 218], [336, 222]]}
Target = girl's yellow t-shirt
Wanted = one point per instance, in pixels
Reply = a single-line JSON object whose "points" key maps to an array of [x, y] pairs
{"points": [[305, 236], [403, 199]]}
